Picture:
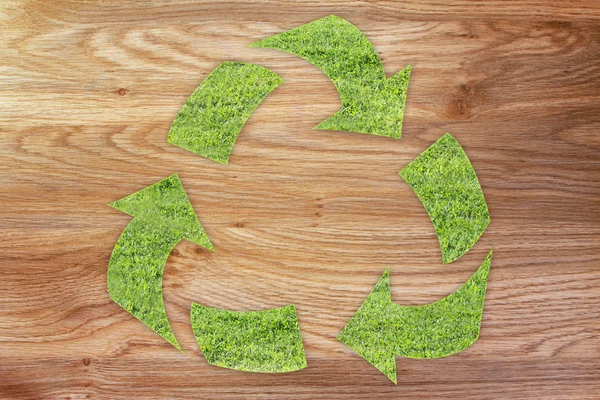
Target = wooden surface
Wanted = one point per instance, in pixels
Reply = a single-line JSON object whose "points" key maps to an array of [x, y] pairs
{"points": [[88, 91]]}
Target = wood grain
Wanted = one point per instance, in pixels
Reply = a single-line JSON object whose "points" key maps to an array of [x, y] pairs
{"points": [[88, 91]]}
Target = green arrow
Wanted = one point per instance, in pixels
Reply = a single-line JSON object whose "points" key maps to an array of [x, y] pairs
{"points": [[382, 329], [370, 102], [445, 182], [212, 117], [163, 216], [256, 341]]}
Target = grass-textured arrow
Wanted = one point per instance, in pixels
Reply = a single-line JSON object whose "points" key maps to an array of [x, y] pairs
{"points": [[445, 182], [256, 341], [212, 117], [382, 329], [163, 216], [370, 102]]}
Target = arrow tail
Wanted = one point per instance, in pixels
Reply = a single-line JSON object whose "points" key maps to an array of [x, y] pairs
{"points": [[256, 341], [210, 121], [449, 325], [336, 47], [447, 185]]}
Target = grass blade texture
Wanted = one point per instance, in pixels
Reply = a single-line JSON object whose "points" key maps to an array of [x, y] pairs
{"points": [[382, 329], [370, 102], [213, 116], [257, 341], [445, 182], [163, 216]]}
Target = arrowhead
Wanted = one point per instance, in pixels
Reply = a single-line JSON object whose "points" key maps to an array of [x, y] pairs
{"points": [[370, 103], [367, 332], [377, 112], [165, 205]]}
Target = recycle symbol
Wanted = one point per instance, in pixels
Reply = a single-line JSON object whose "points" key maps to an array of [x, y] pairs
{"points": [[269, 341]]}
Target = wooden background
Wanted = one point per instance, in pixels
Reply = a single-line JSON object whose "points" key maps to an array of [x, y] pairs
{"points": [[88, 91]]}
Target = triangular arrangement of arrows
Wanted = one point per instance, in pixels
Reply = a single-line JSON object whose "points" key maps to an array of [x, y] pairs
{"points": [[269, 341]]}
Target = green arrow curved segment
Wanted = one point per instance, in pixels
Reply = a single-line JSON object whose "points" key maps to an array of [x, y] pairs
{"points": [[370, 102], [445, 182], [256, 341], [382, 329], [212, 117], [163, 216]]}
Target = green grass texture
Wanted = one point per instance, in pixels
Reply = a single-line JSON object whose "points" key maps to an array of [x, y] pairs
{"points": [[209, 122], [163, 216], [256, 341], [370, 102], [382, 329], [445, 182]]}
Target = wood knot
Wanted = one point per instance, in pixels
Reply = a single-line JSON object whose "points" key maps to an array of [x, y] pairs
{"points": [[239, 224], [464, 98], [460, 107], [175, 253], [464, 88], [122, 91], [86, 361]]}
